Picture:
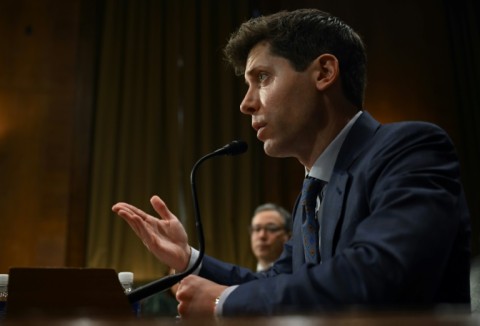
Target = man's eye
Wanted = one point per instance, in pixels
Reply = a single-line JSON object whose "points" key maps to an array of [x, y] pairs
{"points": [[262, 76]]}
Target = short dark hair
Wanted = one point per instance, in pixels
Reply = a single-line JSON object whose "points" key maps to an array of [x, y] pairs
{"points": [[300, 36], [284, 214]]}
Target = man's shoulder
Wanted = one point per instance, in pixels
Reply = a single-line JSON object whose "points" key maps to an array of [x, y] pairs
{"points": [[367, 121], [412, 126], [411, 132]]}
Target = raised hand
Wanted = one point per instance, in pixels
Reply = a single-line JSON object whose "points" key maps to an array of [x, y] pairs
{"points": [[164, 236]]}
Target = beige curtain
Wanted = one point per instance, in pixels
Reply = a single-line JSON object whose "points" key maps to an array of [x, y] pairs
{"points": [[164, 99]]}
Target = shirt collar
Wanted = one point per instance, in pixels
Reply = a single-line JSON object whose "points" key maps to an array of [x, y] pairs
{"points": [[323, 167], [260, 268]]}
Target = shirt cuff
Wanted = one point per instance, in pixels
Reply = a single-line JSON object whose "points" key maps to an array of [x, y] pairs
{"points": [[221, 300], [193, 258]]}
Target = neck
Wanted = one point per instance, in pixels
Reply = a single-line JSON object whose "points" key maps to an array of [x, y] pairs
{"points": [[336, 121]]}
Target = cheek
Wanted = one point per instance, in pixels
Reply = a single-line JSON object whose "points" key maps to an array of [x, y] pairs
{"points": [[283, 103], [276, 95], [277, 239], [282, 239]]}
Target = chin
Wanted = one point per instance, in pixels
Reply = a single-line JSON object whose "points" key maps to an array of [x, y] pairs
{"points": [[273, 149], [269, 148]]}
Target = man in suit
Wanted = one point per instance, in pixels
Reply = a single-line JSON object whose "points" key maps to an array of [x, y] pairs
{"points": [[393, 226]]}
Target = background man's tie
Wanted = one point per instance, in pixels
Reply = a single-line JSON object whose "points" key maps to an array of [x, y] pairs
{"points": [[310, 191]]}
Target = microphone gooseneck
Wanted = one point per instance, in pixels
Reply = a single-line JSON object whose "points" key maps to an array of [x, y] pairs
{"points": [[236, 147]]}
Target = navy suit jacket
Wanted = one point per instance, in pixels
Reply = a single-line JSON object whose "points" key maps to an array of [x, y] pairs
{"points": [[395, 231]]}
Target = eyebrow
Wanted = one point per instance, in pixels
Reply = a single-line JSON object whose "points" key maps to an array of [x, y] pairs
{"points": [[253, 71], [256, 68]]}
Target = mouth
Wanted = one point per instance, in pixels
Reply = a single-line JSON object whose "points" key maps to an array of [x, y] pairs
{"points": [[262, 247], [258, 127]]}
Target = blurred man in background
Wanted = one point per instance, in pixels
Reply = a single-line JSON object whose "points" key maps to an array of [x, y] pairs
{"points": [[269, 230]]}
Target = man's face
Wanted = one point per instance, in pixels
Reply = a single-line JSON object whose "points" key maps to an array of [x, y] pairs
{"points": [[284, 104], [268, 235]]}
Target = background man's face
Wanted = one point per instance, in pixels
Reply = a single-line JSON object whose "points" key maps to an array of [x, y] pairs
{"points": [[268, 235]]}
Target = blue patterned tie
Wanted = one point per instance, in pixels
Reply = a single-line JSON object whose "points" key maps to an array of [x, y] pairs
{"points": [[310, 191]]}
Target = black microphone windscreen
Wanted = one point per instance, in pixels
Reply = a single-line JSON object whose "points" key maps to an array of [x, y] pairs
{"points": [[237, 147], [234, 148]]}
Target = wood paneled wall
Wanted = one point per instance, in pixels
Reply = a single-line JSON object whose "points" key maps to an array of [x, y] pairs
{"points": [[38, 51]]}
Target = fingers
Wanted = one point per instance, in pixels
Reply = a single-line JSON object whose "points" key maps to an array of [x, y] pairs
{"points": [[161, 208], [157, 203], [137, 219], [130, 211], [184, 298], [134, 221], [196, 296]]}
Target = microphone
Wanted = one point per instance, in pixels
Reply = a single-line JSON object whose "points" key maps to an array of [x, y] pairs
{"points": [[236, 147]]}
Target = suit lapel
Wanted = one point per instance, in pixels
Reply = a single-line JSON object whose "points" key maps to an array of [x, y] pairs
{"points": [[331, 209], [355, 143]]}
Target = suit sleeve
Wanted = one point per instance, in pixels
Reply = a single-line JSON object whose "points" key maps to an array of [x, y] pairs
{"points": [[229, 274]]}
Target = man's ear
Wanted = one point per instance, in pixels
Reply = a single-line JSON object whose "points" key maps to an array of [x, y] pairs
{"points": [[327, 71]]}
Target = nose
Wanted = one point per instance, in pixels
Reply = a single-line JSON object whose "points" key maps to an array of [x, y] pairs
{"points": [[262, 233], [250, 102]]}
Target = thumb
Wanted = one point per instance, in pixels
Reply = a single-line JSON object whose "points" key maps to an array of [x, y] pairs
{"points": [[161, 208]]}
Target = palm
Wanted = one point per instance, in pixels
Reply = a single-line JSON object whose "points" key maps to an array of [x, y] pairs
{"points": [[165, 236]]}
